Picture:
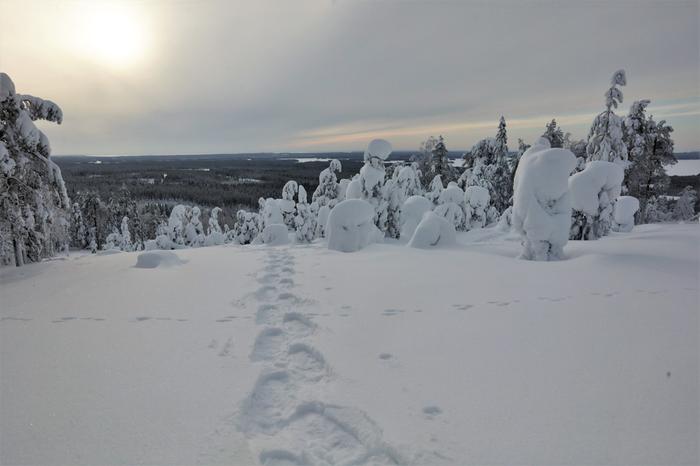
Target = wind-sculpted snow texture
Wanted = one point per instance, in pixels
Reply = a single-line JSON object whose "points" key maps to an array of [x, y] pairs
{"points": [[286, 416]]}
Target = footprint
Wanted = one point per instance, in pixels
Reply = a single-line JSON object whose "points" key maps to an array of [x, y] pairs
{"points": [[267, 344], [280, 458], [142, 319], [265, 292], [297, 324], [461, 307], [432, 410], [226, 350], [385, 356], [268, 278], [392, 312], [286, 282], [265, 313], [270, 404], [307, 362]]}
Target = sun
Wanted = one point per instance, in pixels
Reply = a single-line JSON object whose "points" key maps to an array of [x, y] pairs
{"points": [[114, 34]]}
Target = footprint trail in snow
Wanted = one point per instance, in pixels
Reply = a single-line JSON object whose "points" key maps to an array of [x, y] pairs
{"points": [[286, 417]]}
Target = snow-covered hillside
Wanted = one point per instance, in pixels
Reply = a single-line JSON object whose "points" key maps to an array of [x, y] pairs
{"points": [[297, 354]]}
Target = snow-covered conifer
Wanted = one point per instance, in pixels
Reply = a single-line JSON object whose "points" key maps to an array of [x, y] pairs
{"points": [[605, 141], [476, 201], [305, 219], [125, 243], [685, 205], [451, 206], [541, 201], [554, 134], [78, 232], [34, 204], [327, 191], [435, 189], [371, 180], [593, 193], [623, 213], [247, 227], [287, 204], [214, 236]]}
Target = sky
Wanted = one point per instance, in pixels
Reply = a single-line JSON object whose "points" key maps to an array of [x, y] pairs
{"points": [[227, 76]]}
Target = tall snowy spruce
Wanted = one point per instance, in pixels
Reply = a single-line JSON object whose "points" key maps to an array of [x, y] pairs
{"points": [[650, 149], [605, 137], [554, 134], [327, 191], [34, 204], [371, 180]]}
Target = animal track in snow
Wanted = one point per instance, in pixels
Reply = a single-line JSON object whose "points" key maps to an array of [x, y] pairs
{"points": [[265, 314], [297, 324]]}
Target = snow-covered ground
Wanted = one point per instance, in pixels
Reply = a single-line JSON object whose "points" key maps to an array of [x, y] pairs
{"points": [[684, 168], [390, 355]]}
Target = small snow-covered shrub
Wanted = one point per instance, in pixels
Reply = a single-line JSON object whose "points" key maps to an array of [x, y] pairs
{"points": [[215, 236], [350, 226], [412, 213], [275, 234], [593, 192], [246, 228], [541, 201], [476, 200], [271, 212], [623, 213], [433, 231], [353, 189], [327, 191], [506, 219], [322, 220], [305, 219]]}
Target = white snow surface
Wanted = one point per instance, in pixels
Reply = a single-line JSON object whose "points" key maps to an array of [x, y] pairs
{"points": [[390, 355], [350, 226], [155, 259], [433, 231]]}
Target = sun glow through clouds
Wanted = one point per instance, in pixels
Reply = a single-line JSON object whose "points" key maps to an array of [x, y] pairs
{"points": [[114, 34]]}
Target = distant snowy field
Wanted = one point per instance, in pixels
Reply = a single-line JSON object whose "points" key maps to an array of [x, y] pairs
{"points": [[684, 168], [293, 354]]}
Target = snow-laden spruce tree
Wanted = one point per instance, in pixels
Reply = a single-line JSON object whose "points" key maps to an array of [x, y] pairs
{"points": [[393, 197], [215, 235], [327, 191], [605, 140], [125, 244], [194, 230], [541, 201], [121, 204], [78, 232], [247, 227], [440, 162], [488, 166], [650, 149], [96, 217], [451, 206], [34, 204], [476, 202], [423, 160], [322, 220], [554, 134], [408, 179], [305, 219], [684, 209], [270, 213], [371, 180], [593, 193], [287, 204], [435, 189]]}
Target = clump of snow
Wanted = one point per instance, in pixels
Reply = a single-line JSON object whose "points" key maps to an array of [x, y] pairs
{"points": [[7, 87], [623, 213], [353, 189], [156, 259], [433, 231], [412, 213], [593, 192], [476, 199], [322, 220], [379, 148], [350, 226], [541, 202], [275, 234]]}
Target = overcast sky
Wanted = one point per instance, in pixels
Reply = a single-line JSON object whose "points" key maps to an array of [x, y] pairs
{"points": [[218, 76]]}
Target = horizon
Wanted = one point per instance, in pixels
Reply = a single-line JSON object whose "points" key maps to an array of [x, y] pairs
{"points": [[316, 76]]}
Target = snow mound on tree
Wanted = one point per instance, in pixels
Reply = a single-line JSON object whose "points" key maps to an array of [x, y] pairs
{"points": [[623, 212], [541, 202], [350, 226], [433, 231], [156, 259], [379, 148], [412, 213], [596, 186], [275, 235]]}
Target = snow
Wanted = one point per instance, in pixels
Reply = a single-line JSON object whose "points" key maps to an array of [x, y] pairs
{"points": [[623, 212], [483, 359], [412, 213], [541, 200], [379, 148], [350, 227], [274, 234], [598, 179], [155, 259], [433, 230]]}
